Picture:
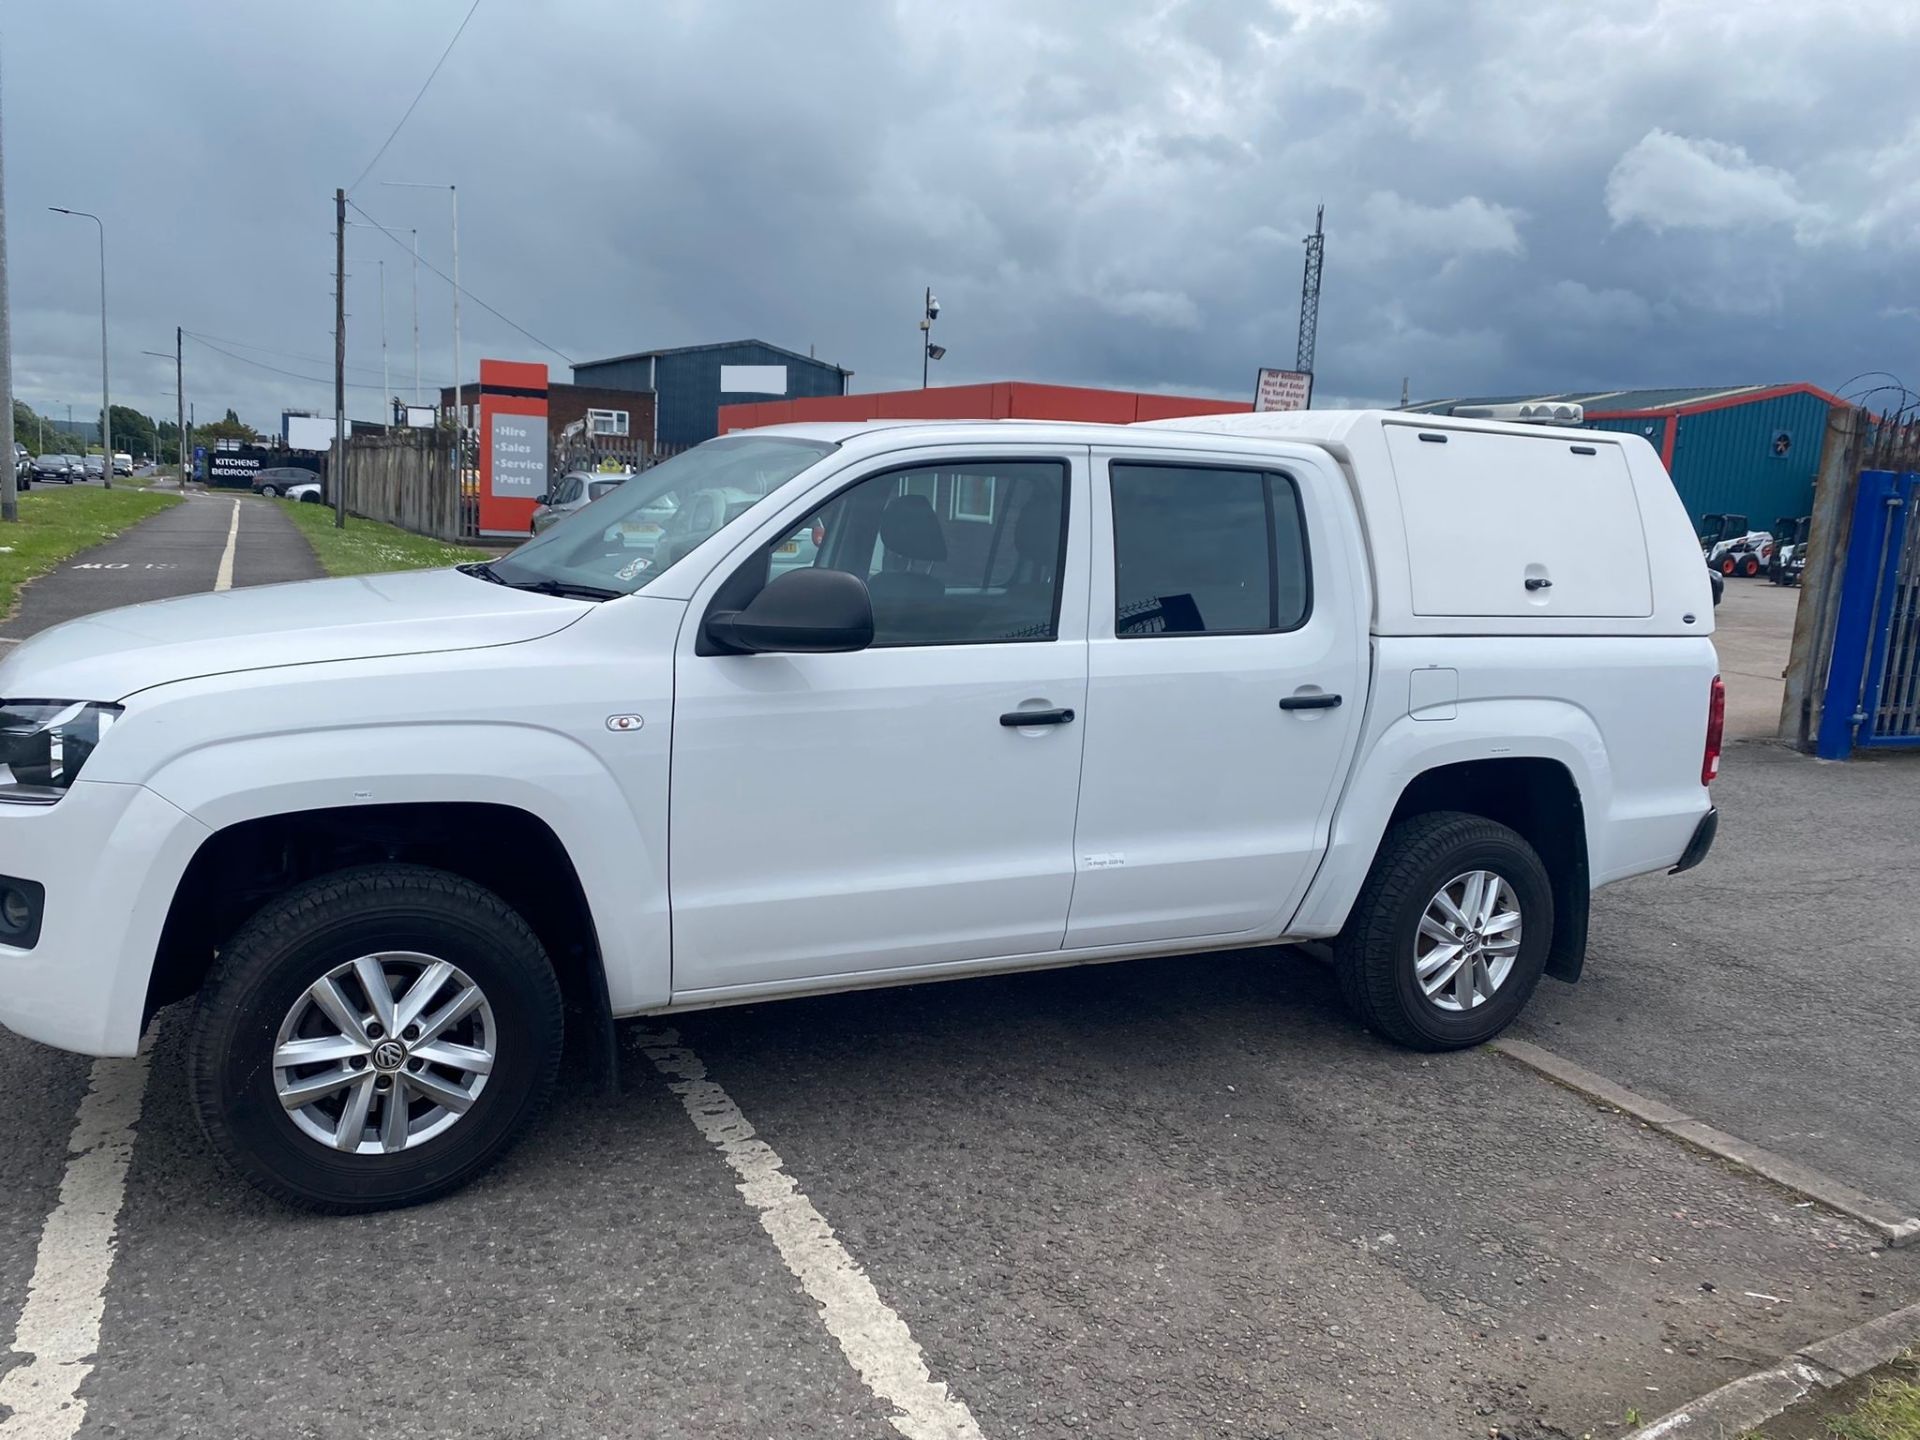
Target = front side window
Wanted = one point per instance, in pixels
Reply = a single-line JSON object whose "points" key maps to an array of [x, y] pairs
{"points": [[940, 569], [1200, 550]]}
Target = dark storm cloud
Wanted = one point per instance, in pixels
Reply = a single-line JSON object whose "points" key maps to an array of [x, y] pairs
{"points": [[1518, 195]]}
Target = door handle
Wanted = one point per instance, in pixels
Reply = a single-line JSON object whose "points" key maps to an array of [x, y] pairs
{"points": [[1539, 582], [1016, 718], [1310, 702]]}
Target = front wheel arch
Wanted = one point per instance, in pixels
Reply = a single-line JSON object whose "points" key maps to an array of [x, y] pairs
{"points": [[510, 852]]}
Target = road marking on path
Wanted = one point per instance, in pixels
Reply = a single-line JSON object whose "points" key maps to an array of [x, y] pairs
{"points": [[224, 579], [870, 1334], [59, 1329]]}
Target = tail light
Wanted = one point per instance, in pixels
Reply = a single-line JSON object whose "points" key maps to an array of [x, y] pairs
{"points": [[1716, 729]]}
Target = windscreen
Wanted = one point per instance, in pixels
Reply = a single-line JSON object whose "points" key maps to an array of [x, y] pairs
{"points": [[633, 536]]}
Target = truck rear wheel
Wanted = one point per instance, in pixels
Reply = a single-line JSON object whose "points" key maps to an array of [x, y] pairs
{"points": [[374, 1038], [1449, 935]]}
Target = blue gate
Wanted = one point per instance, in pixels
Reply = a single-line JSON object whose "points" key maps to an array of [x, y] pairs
{"points": [[1873, 679]]}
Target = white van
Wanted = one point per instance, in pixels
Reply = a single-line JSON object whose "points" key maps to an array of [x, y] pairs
{"points": [[1059, 693]]}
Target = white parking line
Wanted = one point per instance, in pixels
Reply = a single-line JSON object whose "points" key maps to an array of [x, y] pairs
{"points": [[871, 1335], [224, 579], [59, 1328]]}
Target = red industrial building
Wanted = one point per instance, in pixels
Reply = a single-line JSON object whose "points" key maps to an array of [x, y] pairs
{"points": [[1001, 400]]}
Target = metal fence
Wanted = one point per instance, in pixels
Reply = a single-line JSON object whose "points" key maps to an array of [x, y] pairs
{"points": [[1854, 668]]}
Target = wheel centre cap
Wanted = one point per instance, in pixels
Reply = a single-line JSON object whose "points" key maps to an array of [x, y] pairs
{"points": [[389, 1055]]}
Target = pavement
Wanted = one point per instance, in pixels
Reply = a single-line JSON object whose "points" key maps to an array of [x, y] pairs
{"points": [[1180, 1197], [176, 552], [1753, 631]]}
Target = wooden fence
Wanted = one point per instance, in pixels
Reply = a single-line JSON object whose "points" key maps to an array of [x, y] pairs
{"points": [[405, 478]]}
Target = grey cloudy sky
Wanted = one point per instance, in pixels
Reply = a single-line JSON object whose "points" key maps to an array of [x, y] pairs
{"points": [[1520, 194]]}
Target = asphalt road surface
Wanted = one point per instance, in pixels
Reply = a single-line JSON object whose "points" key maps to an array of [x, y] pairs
{"points": [[1183, 1197], [1772, 991]]}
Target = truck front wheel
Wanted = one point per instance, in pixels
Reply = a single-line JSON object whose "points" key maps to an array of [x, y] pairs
{"points": [[1450, 933], [374, 1038]]}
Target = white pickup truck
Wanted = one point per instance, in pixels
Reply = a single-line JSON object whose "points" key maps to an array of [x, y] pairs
{"points": [[1046, 694]]}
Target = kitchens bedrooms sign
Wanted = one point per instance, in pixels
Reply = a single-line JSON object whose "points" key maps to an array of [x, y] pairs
{"points": [[513, 445]]}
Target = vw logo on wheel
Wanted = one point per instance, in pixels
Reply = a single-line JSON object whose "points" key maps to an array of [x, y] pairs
{"points": [[389, 1055]]}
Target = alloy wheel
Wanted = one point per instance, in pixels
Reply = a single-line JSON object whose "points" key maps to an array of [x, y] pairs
{"points": [[1468, 939], [384, 1053]]}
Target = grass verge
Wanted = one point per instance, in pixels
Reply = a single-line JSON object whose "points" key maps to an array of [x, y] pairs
{"points": [[367, 547], [56, 525]]}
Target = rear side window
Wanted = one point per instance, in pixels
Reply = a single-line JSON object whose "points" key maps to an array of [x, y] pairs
{"points": [[1203, 550]]}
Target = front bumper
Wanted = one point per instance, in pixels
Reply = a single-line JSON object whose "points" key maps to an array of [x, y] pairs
{"points": [[1701, 842], [111, 857]]}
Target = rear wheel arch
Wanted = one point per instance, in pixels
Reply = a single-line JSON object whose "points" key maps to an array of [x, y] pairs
{"points": [[509, 852], [1539, 799]]}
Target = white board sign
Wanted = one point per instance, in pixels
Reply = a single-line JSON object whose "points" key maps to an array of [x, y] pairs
{"points": [[753, 379], [1283, 390], [309, 432]]}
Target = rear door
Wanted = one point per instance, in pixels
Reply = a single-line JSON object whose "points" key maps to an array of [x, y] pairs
{"points": [[1226, 682]]}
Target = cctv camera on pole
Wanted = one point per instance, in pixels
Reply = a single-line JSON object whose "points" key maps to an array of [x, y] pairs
{"points": [[928, 350]]}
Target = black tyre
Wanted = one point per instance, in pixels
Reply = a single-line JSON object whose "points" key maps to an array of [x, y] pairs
{"points": [[326, 1092], [270, 491], [1432, 956]]}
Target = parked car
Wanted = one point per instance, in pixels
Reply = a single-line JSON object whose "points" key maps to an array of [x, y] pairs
{"points": [[572, 491], [122, 463], [307, 492], [1060, 693], [279, 479]]}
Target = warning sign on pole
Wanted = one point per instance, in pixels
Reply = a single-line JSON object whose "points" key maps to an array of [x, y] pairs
{"points": [[1283, 390]]}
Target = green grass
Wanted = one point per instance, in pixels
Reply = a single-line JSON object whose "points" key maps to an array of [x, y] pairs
{"points": [[1885, 1406], [367, 547], [1891, 1411], [57, 524]]}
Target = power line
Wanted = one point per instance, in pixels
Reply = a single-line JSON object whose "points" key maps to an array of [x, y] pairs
{"points": [[416, 99], [468, 293], [261, 364], [277, 354]]}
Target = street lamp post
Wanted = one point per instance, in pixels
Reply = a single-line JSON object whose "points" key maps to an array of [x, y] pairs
{"points": [[415, 242], [106, 400]]}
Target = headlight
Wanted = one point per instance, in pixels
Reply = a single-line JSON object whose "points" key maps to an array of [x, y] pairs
{"points": [[44, 743]]}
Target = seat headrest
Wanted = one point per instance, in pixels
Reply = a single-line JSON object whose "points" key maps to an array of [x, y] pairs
{"points": [[909, 528]]}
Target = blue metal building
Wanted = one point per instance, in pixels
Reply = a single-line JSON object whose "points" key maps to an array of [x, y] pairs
{"points": [[690, 383], [1749, 450]]}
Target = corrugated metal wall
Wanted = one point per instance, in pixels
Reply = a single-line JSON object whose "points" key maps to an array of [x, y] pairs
{"points": [[1724, 460]]}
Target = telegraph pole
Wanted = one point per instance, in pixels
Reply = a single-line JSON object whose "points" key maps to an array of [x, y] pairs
{"points": [[9, 481], [180, 396], [339, 467]]}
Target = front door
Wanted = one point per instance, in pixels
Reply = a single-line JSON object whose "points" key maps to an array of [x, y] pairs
{"points": [[1227, 674], [885, 810]]}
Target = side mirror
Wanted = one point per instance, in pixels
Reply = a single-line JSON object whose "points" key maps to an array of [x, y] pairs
{"points": [[802, 612], [543, 498]]}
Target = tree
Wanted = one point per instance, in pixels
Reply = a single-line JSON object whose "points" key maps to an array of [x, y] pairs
{"points": [[132, 431], [231, 427], [167, 438]]}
